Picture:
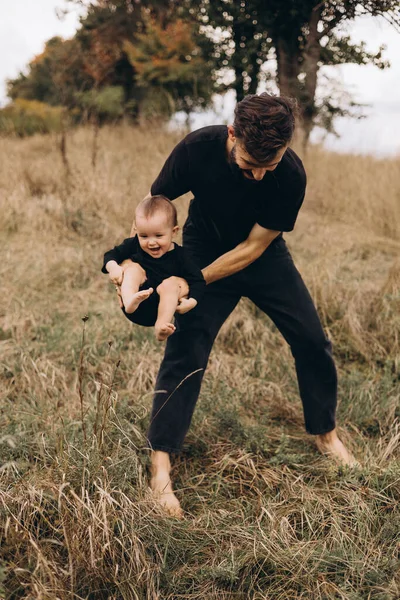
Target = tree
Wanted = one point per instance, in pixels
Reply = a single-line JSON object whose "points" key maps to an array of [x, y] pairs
{"points": [[169, 67], [53, 76], [304, 35], [131, 30], [241, 41]]}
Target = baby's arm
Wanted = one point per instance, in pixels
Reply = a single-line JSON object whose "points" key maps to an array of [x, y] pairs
{"points": [[115, 271], [119, 254]]}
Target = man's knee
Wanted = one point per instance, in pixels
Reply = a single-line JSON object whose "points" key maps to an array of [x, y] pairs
{"points": [[312, 345]]}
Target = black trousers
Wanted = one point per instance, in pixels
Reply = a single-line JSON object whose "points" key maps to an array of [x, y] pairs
{"points": [[273, 283]]}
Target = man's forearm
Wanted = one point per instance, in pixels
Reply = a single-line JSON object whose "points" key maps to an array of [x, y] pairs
{"points": [[235, 260]]}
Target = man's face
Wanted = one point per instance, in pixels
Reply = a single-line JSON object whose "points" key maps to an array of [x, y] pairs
{"points": [[249, 167]]}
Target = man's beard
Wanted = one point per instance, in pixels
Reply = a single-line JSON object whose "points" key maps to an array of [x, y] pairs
{"points": [[237, 172]]}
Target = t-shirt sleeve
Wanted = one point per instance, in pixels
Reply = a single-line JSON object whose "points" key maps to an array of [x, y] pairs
{"points": [[193, 275], [280, 209], [127, 249], [173, 180]]}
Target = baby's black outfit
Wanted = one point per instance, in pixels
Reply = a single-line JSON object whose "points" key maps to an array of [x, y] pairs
{"points": [[176, 262]]}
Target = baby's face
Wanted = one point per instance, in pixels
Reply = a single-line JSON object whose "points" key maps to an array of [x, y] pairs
{"points": [[155, 233]]}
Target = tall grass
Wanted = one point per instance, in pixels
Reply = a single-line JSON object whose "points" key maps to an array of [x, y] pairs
{"points": [[266, 516]]}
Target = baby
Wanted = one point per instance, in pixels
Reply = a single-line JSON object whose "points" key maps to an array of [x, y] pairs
{"points": [[156, 276]]}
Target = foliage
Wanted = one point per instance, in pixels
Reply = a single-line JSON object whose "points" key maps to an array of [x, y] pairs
{"points": [[303, 36], [168, 55], [141, 47], [54, 75], [168, 65], [106, 103], [241, 41], [26, 117]]}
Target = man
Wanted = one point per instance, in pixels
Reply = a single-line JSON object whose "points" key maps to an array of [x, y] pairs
{"points": [[248, 187]]}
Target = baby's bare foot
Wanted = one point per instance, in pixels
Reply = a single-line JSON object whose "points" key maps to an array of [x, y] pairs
{"points": [[133, 302], [164, 331], [163, 494]]}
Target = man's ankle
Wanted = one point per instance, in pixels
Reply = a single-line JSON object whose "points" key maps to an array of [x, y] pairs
{"points": [[160, 461], [328, 437]]}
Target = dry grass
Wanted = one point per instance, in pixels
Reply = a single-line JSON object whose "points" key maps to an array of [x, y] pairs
{"points": [[267, 518]]}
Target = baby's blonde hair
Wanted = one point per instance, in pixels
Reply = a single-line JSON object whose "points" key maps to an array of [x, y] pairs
{"points": [[149, 206]]}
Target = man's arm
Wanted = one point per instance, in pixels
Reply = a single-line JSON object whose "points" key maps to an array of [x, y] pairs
{"points": [[240, 257]]}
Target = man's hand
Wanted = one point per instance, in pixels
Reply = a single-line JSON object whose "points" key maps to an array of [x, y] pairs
{"points": [[185, 304], [115, 272], [118, 290]]}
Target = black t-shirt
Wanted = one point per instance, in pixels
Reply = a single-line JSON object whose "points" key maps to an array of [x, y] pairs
{"points": [[226, 205], [175, 262]]}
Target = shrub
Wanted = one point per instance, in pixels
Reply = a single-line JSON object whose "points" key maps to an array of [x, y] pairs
{"points": [[27, 117]]}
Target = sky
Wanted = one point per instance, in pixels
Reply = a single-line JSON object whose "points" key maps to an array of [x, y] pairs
{"points": [[25, 25]]}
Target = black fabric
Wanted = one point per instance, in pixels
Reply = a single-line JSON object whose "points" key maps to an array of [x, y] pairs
{"points": [[176, 262], [224, 209], [147, 311], [226, 205], [273, 283]]}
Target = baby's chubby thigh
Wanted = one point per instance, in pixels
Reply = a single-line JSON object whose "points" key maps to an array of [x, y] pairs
{"points": [[133, 270]]}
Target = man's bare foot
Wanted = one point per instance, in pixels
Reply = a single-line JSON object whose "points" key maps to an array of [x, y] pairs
{"points": [[163, 494], [330, 445], [164, 331], [134, 300], [161, 485]]}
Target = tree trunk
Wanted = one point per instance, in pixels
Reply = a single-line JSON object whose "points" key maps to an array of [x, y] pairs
{"points": [[237, 61], [240, 34], [310, 67], [253, 84], [288, 67], [238, 83], [253, 74]]}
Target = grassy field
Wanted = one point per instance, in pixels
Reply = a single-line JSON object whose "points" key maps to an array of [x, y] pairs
{"points": [[267, 517]]}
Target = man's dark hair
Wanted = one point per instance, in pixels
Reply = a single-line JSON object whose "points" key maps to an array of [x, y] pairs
{"points": [[264, 124], [149, 206]]}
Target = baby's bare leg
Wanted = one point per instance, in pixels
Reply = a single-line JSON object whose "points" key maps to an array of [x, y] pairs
{"points": [[183, 288], [170, 291], [133, 278]]}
